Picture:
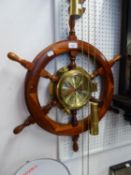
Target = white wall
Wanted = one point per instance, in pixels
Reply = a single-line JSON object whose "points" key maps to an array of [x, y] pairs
{"points": [[26, 28]]}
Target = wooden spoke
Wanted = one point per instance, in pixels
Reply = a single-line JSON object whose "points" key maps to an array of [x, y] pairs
{"points": [[47, 75], [28, 65], [72, 34], [72, 56], [100, 70], [30, 119], [49, 106], [27, 122], [74, 120], [99, 101]]}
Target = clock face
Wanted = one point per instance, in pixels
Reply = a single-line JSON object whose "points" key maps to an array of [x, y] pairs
{"points": [[74, 89]]}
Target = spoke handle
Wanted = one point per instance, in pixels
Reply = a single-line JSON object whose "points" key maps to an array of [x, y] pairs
{"points": [[26, 123], [100, 71], [75, 143], [12, 56]]}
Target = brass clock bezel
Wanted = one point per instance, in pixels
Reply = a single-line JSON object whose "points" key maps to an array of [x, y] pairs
{"points": [[71, 73]]}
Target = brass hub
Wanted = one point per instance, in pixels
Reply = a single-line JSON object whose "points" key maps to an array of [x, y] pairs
{"points": [[73, 89]]}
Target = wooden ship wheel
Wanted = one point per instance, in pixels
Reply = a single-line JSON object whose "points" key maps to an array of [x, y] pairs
{"points": [[71, 86]]}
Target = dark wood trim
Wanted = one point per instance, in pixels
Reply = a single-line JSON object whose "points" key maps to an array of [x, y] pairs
{"points": [[123, 51], [123, 98]]}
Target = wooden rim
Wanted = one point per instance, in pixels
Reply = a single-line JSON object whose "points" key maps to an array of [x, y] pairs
{"points": [[32, 79]]}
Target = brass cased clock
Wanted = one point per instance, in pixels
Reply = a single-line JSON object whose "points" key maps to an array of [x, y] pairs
{"points": [[73, 89]]}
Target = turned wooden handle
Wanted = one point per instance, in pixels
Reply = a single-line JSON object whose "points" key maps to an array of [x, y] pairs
{"points": [[19, 129], [26, 123], [100, 70], [12, 56], [75, 143], [30, 119], [114, 60], [72, 24]]}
